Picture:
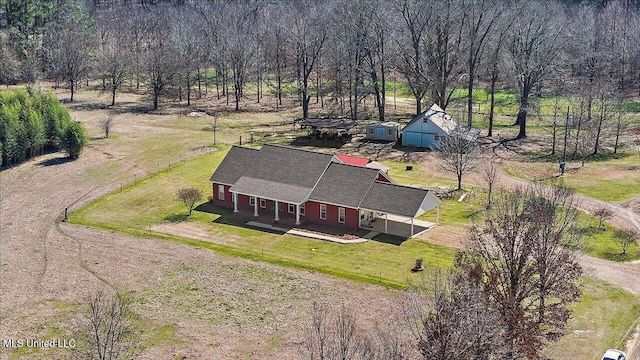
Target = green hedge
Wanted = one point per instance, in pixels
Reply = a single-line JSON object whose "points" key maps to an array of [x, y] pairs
{"points": [[31, 120]]}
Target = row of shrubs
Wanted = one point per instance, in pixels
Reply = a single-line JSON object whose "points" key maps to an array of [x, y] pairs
{"points": [[32, 121]]}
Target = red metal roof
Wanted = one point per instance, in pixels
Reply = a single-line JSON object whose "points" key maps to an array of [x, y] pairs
{"points": [[353, 160]]}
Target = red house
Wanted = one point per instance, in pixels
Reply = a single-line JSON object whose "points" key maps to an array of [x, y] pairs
{"points": [[298, 185]]}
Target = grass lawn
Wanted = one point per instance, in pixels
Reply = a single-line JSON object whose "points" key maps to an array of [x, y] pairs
{"points": [[415, 177], [600, 321], [151, 201], [615, 179], [604, 243]]}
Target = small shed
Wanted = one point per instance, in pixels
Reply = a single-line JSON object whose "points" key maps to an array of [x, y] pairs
{"points": [[426, 129], [386, 131]]}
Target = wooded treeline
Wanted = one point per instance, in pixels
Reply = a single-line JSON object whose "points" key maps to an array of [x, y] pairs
{"points": [[337, 53]]}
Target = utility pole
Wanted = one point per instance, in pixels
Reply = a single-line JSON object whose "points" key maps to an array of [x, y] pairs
{"points": [[563, 164]]}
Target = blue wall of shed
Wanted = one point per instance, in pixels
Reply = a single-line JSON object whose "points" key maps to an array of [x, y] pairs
{"points": [[421, 134]]}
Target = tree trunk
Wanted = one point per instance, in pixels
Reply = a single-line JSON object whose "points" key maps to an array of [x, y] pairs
{"points": [[199, 85], [155, 100], [113, 94], [618, 128], [522, 121], [71, 87], [470, 101], [494, 78], [188, 90], [599, 127]]}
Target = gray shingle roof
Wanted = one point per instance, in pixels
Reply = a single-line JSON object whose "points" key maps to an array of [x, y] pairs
{"points": [[285, 169], [289, 165], [344, 185], [394, 199], [270, 190], [234, 165]]}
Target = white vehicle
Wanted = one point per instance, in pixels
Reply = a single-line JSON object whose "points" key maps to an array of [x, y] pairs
{"points": [[612, 354]]}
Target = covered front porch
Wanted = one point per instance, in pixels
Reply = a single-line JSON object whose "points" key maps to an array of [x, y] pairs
{"points": [[270, 210]]}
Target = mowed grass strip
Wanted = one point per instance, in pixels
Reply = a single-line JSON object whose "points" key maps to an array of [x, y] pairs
{"points": [[152, 201]]}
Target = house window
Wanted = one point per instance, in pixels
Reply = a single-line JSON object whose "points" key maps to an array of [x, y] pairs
{"points": [[390, 131], [220, 192], [323, 212], [292, 208], [263, 203], [302, 209], [252, 200], [341, 215], [372, 131], [437, 137]]}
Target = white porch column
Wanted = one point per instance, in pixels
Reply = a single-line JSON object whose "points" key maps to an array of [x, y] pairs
{"points": [[438, 214], [276, 218], [411, 228], [297, 214], [235, 202], [386, 218], [255, 207]]}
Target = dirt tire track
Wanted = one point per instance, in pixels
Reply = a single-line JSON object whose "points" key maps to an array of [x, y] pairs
{"points": [[81, 262]]}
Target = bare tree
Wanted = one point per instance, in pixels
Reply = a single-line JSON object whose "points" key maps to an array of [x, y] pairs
{"points": [[584, 144], [410, 60], [534, 45], [335, 334], [9, 62], [626, 238], [494, 60], [187, 47], [160, 61], [491, 175], [362, 33], [345, 330], [114, 55], [557, 119], [276, 52], [68, 46], [451, 318], [239, 45], [521, 257], [189, 197], [458, 154], [309, 33], [106, 124], [111, 333], [603, 214], [444, 46], [316, 340], [621, 125], [483, 16]]}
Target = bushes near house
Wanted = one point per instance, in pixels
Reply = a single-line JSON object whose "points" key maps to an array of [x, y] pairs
{"points": [[31, 121]]}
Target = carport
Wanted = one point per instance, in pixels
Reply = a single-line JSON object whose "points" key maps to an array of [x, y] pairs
{"points": [[397, 208], [399, 225]]}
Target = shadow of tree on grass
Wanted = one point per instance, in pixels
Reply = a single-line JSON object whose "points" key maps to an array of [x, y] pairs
{"points": [[55, 161], [176, 218]]}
